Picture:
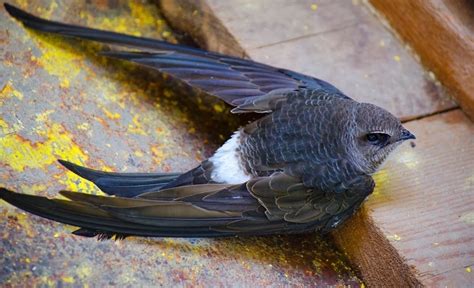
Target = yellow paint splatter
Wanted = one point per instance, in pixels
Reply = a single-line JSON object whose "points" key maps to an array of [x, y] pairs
{"points": [[394, 237], [111, 115], [76, 183], [467, 218], [19, 153], [408, 158], [218, 107], [314, 7], [381, 179], [139, 153], [64, 83], [47, 12], [42, 117], [84, 126], [136, 127], [26, 225], [8, 91], [68, 279], [396, 58], [468, 269], [141, 15], [158, 154]]}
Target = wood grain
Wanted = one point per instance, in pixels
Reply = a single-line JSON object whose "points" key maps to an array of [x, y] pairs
{"points": [[338, 42], [442, 33]]}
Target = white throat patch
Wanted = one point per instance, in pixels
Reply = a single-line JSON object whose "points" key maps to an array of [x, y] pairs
{"points": [[227, 167]]}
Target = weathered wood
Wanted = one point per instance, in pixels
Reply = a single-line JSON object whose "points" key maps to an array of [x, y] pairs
{"points": [[442, 33], [336, 41], [206, 29], [423, 207]]}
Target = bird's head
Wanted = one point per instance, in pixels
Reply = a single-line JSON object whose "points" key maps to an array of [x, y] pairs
{"points": [[378, 132]]}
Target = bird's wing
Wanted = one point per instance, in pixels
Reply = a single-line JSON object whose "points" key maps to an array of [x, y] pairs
{"points": [[267, 205], [239, 82]]}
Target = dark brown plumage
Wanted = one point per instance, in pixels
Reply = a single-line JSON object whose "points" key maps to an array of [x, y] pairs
{"points": [[305, 165]]}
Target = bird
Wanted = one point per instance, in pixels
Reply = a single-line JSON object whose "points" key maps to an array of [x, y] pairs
{"points": [[304, 166]]}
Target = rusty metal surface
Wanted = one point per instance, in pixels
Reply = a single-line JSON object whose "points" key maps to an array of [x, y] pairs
{"points": [[58, 99]]}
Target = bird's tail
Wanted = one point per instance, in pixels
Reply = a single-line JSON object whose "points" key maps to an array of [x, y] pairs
{"points": [[123, 184], [106, 217]]}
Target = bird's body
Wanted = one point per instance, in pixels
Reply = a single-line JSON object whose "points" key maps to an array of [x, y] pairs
{"points": [[305, 165]]}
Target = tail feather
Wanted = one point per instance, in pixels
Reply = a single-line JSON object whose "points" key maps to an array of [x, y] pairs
{"points": [[97, 221], [123, 184]]}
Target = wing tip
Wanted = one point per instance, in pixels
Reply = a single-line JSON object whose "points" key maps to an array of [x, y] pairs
{"points": [[84, 172], [5, 193], [18, 13]]}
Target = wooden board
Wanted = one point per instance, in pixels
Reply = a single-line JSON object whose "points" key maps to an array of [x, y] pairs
{"points": [[419, 222], [338, 41], [442, 33]]}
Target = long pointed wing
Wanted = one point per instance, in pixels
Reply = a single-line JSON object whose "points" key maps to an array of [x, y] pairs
{"points": [[238, 82], [275, 204]]}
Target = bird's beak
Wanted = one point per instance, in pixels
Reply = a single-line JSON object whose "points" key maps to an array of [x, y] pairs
{"points": [[407, 135]]}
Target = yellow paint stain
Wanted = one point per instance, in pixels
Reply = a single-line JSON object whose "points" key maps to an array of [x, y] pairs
{"points": [[467, 218], [67, 279], [19, 153], [141, 15], [8, 91], [158, 154], [118, 25], [136, 127], [394, 237], [111, 115], [47, 12], [396, 58], [468, 269], [64, 83], [381, 179], [409, 159], [84, 126], [59, 60], [6, 129], [314, 7], [219, 108], [42, 117], [139, 153], [26, 225], [77, 184]]}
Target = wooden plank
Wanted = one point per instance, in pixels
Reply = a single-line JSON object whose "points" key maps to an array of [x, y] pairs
{"points": [[442, 33], [421, 213], [336, 41]]}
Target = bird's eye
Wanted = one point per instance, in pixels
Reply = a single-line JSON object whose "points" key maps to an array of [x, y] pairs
{"points": [[379, 139]]}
